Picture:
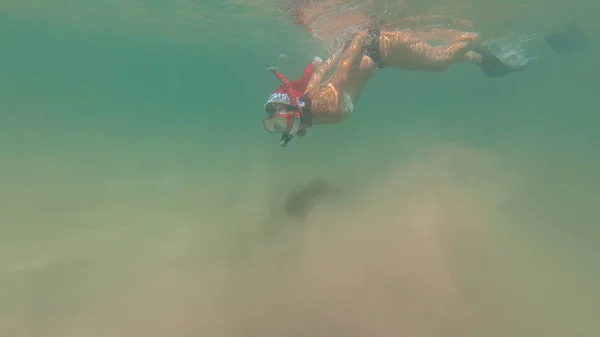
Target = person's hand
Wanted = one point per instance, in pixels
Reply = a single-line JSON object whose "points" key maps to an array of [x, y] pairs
{"points": [[272, 68], [301, 133], [317, 61]]}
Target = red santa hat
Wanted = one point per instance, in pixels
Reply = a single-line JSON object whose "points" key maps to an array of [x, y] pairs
{"points": [[279, 96]]}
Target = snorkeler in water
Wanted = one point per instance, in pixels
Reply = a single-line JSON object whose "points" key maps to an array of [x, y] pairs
{"points": [[296, 106]]}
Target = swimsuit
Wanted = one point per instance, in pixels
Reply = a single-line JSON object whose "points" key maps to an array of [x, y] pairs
{"points": [[372, 47]]}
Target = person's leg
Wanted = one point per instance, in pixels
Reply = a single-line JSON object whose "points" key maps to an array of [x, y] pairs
{"points": [[349, 61], [401, 49], [407, 50], [317, 76], [365, 70], [446, 37], [443, 36]]}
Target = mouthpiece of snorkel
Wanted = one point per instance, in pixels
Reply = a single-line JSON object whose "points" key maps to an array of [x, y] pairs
{"points": [[288, 136], [285, 139]]}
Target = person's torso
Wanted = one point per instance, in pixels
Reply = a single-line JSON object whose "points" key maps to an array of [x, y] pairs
{"points": [[324, 105]]}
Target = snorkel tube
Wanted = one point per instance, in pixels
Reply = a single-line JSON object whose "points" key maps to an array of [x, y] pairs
{"points": [[289, 135]]}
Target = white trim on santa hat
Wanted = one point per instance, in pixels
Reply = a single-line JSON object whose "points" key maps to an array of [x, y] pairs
{"points": [[279, 97]]}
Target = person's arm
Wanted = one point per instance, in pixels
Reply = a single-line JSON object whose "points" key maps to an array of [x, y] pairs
{"points": [[317, 76], [301, 83], [286, 85]]}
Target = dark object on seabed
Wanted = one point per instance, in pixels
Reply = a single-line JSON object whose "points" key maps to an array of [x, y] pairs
{"points": [[568, 38], [299, 202]]}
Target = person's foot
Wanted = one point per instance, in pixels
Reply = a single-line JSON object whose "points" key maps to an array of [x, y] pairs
{"points": [[493, 66]]}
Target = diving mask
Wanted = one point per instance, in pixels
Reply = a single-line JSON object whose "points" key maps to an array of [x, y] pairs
{"points": [[279, 122]]}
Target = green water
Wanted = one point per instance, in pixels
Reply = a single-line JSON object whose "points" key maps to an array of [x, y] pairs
{"points": [[136, 181]]}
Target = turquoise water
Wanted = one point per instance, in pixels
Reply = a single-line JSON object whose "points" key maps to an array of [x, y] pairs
{"points": [[137, 182]]}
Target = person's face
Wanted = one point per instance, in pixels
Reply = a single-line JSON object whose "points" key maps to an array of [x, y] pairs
{"points": [[279, 108], [279, 118]]}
